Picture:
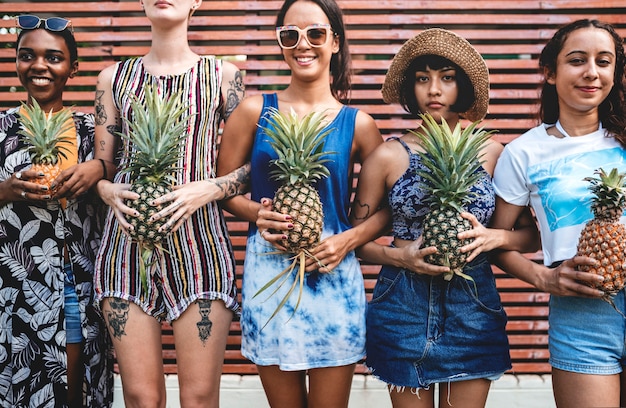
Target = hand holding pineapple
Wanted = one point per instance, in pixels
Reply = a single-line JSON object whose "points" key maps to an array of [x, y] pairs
{"points": [[45, 133], [299, 145], [451, 158], [157, 130]]}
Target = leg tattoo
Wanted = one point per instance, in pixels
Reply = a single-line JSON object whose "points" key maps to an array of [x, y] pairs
{"points": [[204, 325], [117, 317]]}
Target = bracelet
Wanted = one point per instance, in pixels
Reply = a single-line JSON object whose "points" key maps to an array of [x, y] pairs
{"points": [[104, 169]]}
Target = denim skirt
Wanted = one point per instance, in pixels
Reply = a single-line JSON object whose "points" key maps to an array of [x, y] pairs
{"points": [[422, 329]]}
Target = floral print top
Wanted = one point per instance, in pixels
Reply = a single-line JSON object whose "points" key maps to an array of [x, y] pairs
{"points": [[406, 199], [33, 360]]}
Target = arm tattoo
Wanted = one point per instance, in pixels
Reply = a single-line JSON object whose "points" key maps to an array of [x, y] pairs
{"points": [[236, 182], [359, 208], [100, 113], [204, 325], [117, 316], [112, 129], [234, 94]]}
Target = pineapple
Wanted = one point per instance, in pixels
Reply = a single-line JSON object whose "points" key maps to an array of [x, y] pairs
{"points": [[299, 145], [451, 158], [156, 132], [44, 133], [604, 237]]}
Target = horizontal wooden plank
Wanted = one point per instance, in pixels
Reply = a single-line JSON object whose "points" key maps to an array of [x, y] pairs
{"points": [[510, 35]]}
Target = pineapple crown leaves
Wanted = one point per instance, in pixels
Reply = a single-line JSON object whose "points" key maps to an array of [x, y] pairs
{"points": [[44, 133], [609, 192], [452, 158], [299, 144], [157, 129]]}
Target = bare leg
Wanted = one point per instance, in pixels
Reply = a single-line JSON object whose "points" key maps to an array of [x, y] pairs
{"points": [[585, 390], [411, 398], [75, 374], [200, 335], [468, 394], [137, 341], [284, 389], [330, 387]]}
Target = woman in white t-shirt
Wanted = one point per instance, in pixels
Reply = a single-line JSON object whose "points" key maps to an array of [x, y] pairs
{"points": [[583, 129]]}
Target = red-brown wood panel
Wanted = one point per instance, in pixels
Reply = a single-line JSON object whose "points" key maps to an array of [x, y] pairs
{"points": [[510, 36]]}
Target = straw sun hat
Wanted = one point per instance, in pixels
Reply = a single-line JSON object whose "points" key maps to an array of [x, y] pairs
{"points": [[437, 41]]}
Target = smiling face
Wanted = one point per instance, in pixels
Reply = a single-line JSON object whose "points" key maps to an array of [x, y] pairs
{"points": [[304, 60], [43, 67], [585, 70]]}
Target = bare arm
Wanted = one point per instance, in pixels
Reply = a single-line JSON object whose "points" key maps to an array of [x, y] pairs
{"points": [[369, 207], [233, 88], [107, 143], [235, 151], [331, 251], [564, 280]]}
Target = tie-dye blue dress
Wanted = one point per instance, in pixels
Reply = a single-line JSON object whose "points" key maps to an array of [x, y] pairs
{"points": [[328, 327]]}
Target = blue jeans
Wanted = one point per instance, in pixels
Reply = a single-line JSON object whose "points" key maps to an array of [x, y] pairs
{"points": [[587, 335], [72, 314], [422, 329]]}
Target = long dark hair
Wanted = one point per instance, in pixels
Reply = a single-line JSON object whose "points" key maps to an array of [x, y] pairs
{"points": [[465, 93], [612, 111], [340, 63]]}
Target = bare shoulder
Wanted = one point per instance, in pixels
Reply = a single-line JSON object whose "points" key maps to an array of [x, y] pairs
{"points": [[106, 75], [233, 88], [492, 151], [389, 153], [230, 70], [250, 107], [366, 135]]}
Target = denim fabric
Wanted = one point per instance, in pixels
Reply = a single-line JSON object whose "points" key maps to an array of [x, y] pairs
{"points": [[72, 314], [422, 329], [587, 335]]}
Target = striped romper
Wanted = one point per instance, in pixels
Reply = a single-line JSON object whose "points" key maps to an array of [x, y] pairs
{"points": [[197, 260]]}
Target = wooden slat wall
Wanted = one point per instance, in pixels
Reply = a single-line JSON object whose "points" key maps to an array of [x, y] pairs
{"points": [[508, 34]]}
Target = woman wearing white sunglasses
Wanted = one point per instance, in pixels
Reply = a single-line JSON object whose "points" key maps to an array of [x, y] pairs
{"points": [[325, 336]]}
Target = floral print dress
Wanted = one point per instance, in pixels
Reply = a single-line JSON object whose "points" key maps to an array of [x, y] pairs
{"points": [[33, 359]]}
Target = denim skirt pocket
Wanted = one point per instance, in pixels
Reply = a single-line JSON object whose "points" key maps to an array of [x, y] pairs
{"points": [[482, 290], [387, 279]]}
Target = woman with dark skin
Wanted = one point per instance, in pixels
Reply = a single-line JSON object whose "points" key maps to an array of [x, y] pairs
{"points": [[48, 243]]}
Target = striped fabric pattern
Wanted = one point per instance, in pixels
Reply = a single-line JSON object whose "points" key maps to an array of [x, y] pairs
{"points": [[197, 260]]}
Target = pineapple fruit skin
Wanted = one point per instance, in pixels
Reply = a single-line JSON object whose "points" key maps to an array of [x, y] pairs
{"points": [[603, 237], [144, 231], [50, 173], [441, 227], [605, 241], [303, 203]]}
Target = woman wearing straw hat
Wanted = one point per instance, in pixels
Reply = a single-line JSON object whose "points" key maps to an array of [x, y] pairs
{"points": [[422, 329]]}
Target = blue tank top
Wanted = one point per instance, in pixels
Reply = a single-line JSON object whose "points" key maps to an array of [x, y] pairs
{"points": [[334, 190], [407, 200]]}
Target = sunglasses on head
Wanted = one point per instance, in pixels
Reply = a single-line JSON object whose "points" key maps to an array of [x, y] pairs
{"points": [[316, 35], [30, 22]]}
